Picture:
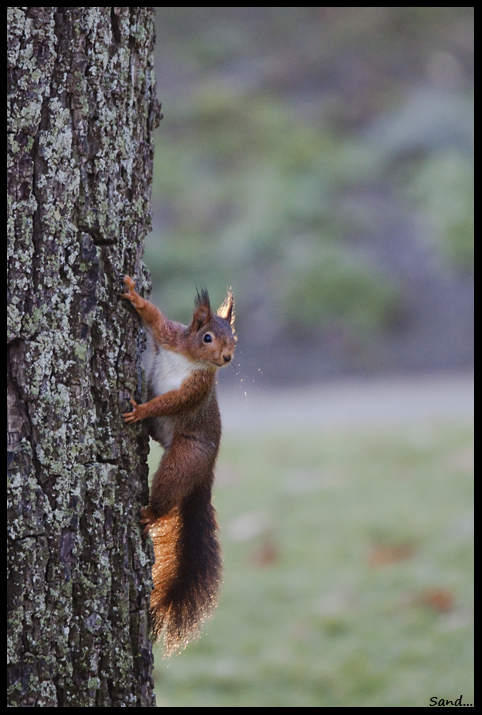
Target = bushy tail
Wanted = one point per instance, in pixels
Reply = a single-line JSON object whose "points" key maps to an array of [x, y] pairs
{"points": [[187, 571]]}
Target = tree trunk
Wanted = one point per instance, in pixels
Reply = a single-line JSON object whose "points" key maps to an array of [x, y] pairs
{"points": [[81, 112]]}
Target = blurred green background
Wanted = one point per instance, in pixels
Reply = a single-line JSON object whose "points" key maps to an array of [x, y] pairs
{"points": [[320, 162], [348, 573]]}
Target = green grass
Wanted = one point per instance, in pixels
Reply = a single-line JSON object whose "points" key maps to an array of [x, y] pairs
{"points": [[348, 574]]}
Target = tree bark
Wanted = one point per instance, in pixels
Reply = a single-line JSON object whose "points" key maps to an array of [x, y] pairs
{"points": [[81, 111]]}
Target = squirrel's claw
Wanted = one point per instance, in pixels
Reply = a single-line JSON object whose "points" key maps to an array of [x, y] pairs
{"points": [[130, 283], [131, 294], [134, 415]]}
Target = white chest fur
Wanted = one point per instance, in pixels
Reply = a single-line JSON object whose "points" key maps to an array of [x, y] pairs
{"points": [[169, 370]]}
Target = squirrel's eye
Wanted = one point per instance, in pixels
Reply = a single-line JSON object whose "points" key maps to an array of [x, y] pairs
{"points": [[208, 338]]}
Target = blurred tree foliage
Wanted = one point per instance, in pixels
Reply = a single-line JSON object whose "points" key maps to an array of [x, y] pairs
{"points": [[275, 118], [443, 186]]}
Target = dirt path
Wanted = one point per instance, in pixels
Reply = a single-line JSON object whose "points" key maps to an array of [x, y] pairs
{"points": [[370, 402]]}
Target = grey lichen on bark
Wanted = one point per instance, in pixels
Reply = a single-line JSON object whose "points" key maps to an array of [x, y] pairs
{"points": [[81, 112]]}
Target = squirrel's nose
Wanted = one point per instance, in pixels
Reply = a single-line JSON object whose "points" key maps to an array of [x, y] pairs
{"points": [[227, 358]]}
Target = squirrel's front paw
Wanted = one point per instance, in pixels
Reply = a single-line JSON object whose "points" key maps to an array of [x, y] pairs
{"points": [[131, 294], [135, 415]]}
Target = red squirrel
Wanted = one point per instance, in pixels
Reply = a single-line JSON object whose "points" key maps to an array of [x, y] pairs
{"points": [[183, 415]]}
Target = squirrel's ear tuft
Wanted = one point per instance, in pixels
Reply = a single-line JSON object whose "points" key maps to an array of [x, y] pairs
{"points": [[202, 313], [202, 297], [226, 310]]}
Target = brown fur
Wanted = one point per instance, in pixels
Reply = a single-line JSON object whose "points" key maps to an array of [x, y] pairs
{"points": [[185, 419]]}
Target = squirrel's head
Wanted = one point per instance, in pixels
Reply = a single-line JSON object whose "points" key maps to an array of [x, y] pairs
{"points": [[211, 335]]}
